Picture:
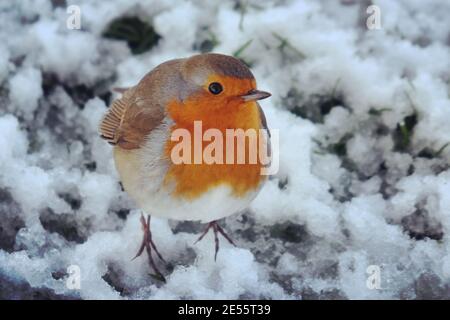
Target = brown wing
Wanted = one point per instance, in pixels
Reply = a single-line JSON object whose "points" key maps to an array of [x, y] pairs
{"points": [[264, 126], [263, 119], [129, 120]]}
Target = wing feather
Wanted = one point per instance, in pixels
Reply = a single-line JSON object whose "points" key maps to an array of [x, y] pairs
{"points": [[112, 121], [129, 120]]}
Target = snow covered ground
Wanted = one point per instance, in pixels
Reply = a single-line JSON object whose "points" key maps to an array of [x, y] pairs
{"points": [[363, 190]]}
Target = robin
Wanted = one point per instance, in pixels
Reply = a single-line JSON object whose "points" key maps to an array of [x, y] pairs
{"points": [[219, 91]]}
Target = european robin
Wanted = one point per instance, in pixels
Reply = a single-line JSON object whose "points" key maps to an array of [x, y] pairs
{"points": [[215, 90]]}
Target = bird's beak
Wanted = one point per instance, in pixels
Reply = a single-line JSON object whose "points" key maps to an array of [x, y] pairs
{"points": [[254, 94]]}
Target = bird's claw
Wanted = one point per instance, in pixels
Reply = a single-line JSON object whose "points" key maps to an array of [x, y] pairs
{"points": [[148, 244], [217, 230]]}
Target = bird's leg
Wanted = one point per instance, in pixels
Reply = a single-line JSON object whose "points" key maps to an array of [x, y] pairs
{"points": [[148, 244], [217, 230]]}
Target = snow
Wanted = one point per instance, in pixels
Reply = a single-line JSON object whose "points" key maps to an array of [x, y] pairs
{"points": [[29, 79], [363, 180]]}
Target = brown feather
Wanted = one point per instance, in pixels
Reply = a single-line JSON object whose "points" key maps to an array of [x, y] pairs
{"points": [[120, 90], [112, 120], [263, 119], [142, 108], [130, 119]]}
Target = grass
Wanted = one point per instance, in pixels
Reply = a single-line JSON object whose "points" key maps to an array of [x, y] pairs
{"points": [[404, 131], [441, 149], [340, 148], [429, 153], [241, 49], [139, 35], [285, 44], [378, 112], [242, 6], [238, 53]]}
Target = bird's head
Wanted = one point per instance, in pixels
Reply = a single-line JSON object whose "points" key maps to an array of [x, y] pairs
{"points": [[215, 84]]}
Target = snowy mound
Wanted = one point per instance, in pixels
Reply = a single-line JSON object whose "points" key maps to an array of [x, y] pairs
{"points": [[360, 207]]}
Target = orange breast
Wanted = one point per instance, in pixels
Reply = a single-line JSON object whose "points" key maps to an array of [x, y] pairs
{"points": [[192, 180]]}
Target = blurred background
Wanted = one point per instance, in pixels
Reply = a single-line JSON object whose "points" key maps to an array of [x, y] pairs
{"points": [[360, 93]]}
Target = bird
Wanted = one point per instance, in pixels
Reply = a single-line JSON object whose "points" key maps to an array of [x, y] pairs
{"points": [[216, 90]]}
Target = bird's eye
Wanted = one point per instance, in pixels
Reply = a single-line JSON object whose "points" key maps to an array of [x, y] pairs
{"points": [[215, 88]]}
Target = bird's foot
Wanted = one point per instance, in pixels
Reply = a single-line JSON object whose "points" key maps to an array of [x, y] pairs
{"points": [[149, 245], [217, 230]]}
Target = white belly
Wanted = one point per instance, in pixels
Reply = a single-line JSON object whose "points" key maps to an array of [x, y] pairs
{"points": [[216, 204]]}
